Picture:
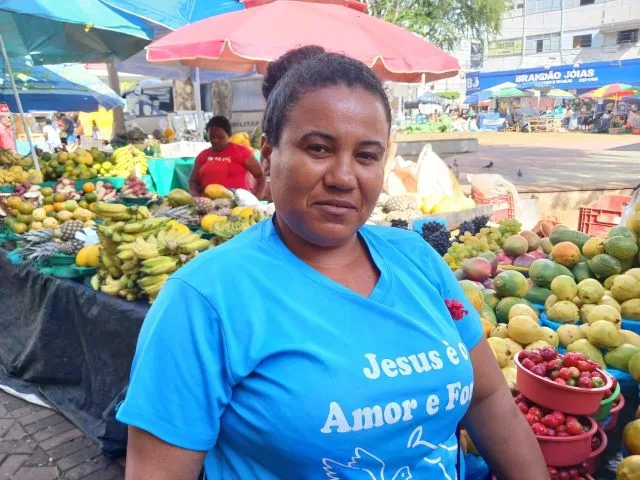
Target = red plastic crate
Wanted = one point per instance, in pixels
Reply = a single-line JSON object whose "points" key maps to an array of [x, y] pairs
{"points": [[503, 205], [600, 216]]}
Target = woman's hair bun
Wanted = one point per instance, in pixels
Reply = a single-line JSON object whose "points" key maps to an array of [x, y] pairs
{"points": [[278, 68]]}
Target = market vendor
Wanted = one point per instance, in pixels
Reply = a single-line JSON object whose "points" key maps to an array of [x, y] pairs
{"points": [[313, 346], [7, 139], [226, 163]]}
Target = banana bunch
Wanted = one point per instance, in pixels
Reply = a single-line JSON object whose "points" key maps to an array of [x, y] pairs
{"points": [[128, 159], [124, 286], [119, 211], [231, 227]]}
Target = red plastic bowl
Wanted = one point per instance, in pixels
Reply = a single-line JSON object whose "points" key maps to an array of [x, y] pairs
{"points": [[615, 413], [568, 451], [547, 393], [591, 464]]}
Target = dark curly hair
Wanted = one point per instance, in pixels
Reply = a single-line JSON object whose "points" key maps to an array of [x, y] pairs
{"points": [[220, 122], [307, 69]]}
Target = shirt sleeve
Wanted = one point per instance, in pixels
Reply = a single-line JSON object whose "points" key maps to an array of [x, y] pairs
{"points": [[241, 154], [180, 382], [469, 326]]}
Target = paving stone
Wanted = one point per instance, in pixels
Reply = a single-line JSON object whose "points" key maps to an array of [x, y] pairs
{"points": [[81, 456], [47, 422], [25, 411], [36, 473], [39, 458], [5, 424], [10, 465], [50, 432], [112, 472], [38, 415], [82, 471], [69, 447], [15, 432], [60, 439], [11, 403], [17, 446]]}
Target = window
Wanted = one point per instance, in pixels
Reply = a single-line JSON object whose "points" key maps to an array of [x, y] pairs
{"points": [[582, 41], [587, 2], [540, 6], [627, 36], [503, 48], [549, 42]]}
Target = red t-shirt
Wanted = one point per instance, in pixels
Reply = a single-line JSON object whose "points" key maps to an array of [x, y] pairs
{"points": [[226, 167]]}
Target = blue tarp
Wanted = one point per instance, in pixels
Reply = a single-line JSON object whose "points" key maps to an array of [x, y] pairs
{"points": [[70, 31], [174, 14], [55, 88]]}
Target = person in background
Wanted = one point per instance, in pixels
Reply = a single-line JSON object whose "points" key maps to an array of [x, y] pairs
{"points": [[79, 127], [35, 126], [69, 129], [7, 139], [51, 135], [95, 131], [225, 163]]}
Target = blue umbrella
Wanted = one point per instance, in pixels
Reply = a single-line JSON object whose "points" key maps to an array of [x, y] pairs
{"points": [[174, 14], [478, 97], [82, 31], [56, 88]]}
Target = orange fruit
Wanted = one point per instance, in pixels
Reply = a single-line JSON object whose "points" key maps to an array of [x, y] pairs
{"points": [[88, 187], [19, 228], [631, 437], [629, 468], [58, 206], [48, 208]]}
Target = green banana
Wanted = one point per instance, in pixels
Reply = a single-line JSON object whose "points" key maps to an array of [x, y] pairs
{"points": [[152, 279]]}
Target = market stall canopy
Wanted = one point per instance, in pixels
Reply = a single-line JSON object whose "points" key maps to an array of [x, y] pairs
{"points": [[559, 93], [509, 92], [56, 88], [70, 31], [173, 14], [247, 40], [475, 98], [614, 91], [430, 98]]}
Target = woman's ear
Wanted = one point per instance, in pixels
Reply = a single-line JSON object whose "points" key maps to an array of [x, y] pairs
{"points": [[265, 153]]}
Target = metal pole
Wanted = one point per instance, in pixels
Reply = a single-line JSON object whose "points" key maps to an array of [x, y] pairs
{"points": [[27, 130], [198, 102]]}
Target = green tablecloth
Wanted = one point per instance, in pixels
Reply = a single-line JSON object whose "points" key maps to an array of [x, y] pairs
{"points": [[170, 173]]}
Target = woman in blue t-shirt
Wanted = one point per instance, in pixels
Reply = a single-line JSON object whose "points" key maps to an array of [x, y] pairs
{"points": [[312, 346]]}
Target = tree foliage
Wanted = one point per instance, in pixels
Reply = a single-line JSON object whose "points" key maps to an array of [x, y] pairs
{"points": [[443, 22]]}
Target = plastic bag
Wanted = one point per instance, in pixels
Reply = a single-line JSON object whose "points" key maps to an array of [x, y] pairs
{"points": [[401, 179], [630, 207]]}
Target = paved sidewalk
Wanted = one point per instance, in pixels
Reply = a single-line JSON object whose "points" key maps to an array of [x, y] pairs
{"points": [[38, 444]]}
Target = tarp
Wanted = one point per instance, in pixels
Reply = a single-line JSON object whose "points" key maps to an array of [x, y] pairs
{"points": [[71, 343], [55, 88]]}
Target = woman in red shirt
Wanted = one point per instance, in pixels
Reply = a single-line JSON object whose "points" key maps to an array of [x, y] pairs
{"points": [[225, 163]]}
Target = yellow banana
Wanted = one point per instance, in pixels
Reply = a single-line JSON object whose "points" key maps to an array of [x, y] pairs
{"points": [[195, 246], [126, 255], [152, 279], [110, 208]]}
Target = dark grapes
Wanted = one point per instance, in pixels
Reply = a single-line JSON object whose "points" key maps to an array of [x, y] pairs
{"points": [[437, 236], [397, 223]]}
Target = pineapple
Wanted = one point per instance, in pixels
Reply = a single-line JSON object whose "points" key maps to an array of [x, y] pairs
{"points": [[399, 203], [204, 205], [69, 229], [407, 215], [182, 214], [40, 252], [71, 247]]}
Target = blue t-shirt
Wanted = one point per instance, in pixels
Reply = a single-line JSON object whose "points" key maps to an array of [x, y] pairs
{"points": [[281, 373]]}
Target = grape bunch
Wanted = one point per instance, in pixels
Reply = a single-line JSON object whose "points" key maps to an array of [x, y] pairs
{"points": [[467, 245], [509, 227], [436, 235], [397, 223], [473, 226]]}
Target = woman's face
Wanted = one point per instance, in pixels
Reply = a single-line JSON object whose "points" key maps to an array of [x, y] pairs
{"points": [[219, 138], [328, 169]]}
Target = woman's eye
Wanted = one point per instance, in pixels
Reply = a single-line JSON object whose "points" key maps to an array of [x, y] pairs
{"points": [[371, 157], [318, 149]]}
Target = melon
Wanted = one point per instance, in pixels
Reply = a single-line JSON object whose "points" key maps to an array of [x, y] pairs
{"points": [[477, 269], [622, 248], [511, 283], [566, 235], [631, 309], [604, 265], [542, 272], [532, 238], [515, 245], [566, 254], [624, 288], [564, 312], [594, 246]]}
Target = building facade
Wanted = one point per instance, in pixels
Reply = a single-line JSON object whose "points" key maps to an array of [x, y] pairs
{"points": [[571, 44]]}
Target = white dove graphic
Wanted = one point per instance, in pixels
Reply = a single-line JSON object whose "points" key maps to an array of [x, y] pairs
{"points": [[415, 441], [363, 465]]}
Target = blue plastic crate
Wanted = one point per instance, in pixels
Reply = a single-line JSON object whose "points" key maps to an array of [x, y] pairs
{"points": [[419, 222]]}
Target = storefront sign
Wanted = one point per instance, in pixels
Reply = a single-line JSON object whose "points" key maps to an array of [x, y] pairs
{"points": [[584, 76]]}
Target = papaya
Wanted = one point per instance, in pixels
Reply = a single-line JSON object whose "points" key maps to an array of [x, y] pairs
{"points": [[594, 246], [550, 301], [537, 345], [621, 231], [178, 197], [510, 283], [624, 288], [489, 315], [537, 295], [564, 312], [564, 287], [619, 357], [631, 309], [523, 329], [472, 293], [542, 272], [581, 271], [505, 304], [609, 281], [604, 334], [607, 300], [490, 297], [562, 270], [622, 248], [522, 309], [604, 265], [585, 311], [605, 312], [567, 334], [590, 291], [500, 330], [634, 272], [566, 253], [567, 235], [548, 335]]}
